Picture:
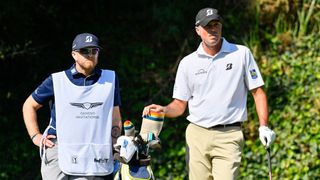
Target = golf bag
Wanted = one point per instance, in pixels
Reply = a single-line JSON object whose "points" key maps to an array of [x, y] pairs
{"points": [[133, 161]]}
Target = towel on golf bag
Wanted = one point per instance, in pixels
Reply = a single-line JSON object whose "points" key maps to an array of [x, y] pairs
{"points": [[133, 172], [127, 148]]}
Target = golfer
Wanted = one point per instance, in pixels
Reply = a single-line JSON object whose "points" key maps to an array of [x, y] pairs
{"points": [[214, 81]]}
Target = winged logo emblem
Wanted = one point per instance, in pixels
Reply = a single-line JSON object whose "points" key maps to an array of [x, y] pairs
{"points": [[87, 105]]}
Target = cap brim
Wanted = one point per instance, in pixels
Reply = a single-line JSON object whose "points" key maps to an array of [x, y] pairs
{"points": [[208, 19], [87, 46]]}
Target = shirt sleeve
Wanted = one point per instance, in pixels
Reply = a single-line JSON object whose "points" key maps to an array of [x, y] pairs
{"points": [[117, 98], [181, 90], [253, 78], [44, 92]]}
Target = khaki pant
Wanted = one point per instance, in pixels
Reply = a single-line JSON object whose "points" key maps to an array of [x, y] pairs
{"points": [[214, 153], [50, 168]]}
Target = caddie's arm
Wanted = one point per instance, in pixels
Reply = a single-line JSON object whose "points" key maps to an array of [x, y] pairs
{"points": [[116, 124], [174, 109], [266, 135], [29, 111]]}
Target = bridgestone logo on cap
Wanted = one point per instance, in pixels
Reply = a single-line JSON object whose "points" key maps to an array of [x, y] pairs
{"points": [[88, 38], [209, 12]]}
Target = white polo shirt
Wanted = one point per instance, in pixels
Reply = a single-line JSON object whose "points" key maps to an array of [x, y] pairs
{"points": [[216, 87]]}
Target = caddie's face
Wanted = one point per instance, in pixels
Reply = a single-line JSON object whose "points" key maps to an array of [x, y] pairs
{"points": [[86, 59], [211, 33]]}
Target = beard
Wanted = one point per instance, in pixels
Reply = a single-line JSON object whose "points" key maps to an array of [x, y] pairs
{"points": [[88, 64]]}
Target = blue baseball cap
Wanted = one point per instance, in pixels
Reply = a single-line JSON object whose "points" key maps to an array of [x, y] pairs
{"points": [[85, 40]]}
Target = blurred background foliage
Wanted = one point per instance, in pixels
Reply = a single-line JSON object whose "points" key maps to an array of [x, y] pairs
{"points": [[143, 42]]}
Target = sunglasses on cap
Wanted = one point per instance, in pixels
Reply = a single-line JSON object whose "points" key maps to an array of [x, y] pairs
{"points": [[86, 51]]}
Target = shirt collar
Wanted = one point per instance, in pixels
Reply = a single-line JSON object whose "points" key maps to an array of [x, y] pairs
{"points": [[74, 71], [224, 48]]}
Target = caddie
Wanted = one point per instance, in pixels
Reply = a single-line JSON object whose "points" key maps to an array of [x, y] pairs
{"points": [[85, 116]]}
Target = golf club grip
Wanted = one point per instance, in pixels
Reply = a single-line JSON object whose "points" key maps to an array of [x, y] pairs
{"points": [[270, 176]]}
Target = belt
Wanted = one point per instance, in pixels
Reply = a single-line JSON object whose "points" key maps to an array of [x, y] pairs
{"points": [[226, 125]]}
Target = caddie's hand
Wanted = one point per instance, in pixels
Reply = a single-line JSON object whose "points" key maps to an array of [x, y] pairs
{"points": [[45, 141], [154, 107], [266, 135]]}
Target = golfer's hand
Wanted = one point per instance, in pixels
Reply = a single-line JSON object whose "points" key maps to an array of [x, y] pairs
{"points": [[266, 136], [154, 107]]}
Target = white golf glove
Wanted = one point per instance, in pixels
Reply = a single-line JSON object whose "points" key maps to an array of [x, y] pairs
{"points": [[266, 135]]}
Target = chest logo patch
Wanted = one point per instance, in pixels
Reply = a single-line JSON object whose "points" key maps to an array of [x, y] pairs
{"points": [[201, 71], [87, 105], [229, 66]]}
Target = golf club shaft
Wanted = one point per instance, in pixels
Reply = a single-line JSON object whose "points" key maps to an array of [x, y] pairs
{"points": [[269, 163]]}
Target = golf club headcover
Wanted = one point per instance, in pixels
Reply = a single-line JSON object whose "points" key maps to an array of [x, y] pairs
{"points": [[128, 128], [151, 123]]}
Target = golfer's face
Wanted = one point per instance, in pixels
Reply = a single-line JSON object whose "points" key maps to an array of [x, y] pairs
{"points": [[211, 33]]}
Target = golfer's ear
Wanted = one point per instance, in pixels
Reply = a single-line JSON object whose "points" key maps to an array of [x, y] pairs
{"points": [[73, 54], [197, 30]]}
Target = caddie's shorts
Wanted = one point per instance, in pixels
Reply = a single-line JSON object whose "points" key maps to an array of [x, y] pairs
{"points": [[50, 168], [214, 153]]}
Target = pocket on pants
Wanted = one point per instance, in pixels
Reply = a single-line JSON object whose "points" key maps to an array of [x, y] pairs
{"points": [[51, 155]]}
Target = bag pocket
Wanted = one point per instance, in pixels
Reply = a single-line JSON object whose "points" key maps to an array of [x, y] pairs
{"points": [[136, 172], [85, 159]]}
